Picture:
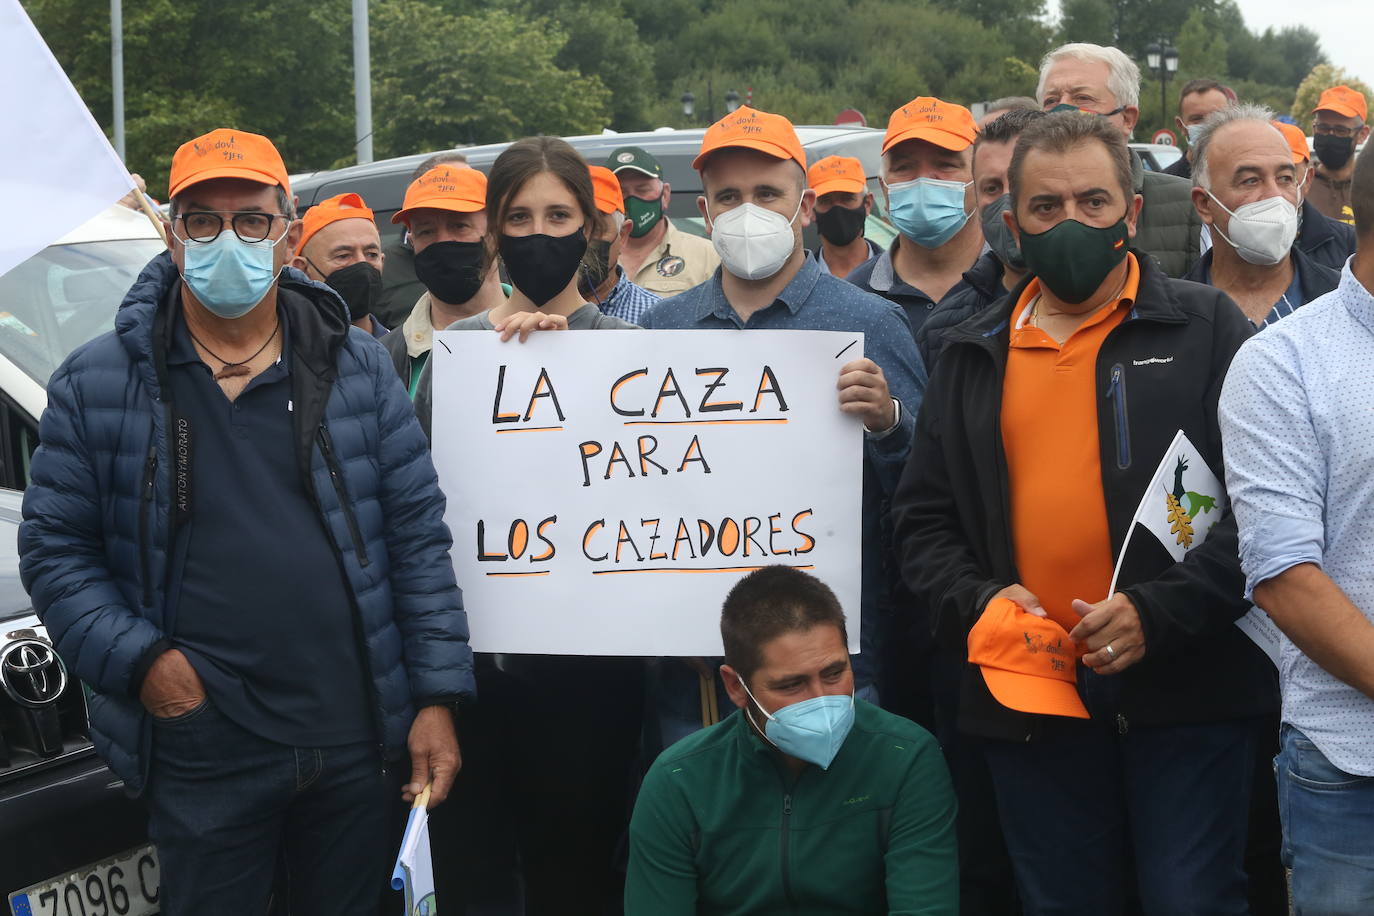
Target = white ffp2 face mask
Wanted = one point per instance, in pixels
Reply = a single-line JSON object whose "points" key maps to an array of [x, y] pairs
{"points": [[753, 242], [1262, 232]]}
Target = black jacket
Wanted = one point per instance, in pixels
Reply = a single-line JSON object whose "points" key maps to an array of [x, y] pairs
{"points": [[1159, 371], [1315, 278], [1326, 241], [982, 287]]}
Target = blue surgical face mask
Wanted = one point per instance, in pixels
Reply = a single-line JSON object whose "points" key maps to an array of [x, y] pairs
{"points": [[1194, 131], [812, 730], [927, 210], [228, 275]]}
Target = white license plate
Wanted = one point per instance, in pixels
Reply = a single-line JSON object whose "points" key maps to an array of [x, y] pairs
{"points": [[122, 885]]}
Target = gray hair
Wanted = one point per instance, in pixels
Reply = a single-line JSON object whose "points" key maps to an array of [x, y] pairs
{"points": [[438, 159], [1123, 76], [1231, 114], [1012, 103], [283, 204]]}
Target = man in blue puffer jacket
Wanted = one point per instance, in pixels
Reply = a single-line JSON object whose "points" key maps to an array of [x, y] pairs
{"points": [[235, 536]]}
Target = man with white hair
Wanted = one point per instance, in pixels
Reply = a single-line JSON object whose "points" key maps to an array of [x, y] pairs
{"points": [[603, 279], [1246, 191], [1104, 81]]}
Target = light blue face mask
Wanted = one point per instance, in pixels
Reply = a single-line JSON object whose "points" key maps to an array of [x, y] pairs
{"points": [[1194, 131], [228, 275], [928, 211], [812, 730]]}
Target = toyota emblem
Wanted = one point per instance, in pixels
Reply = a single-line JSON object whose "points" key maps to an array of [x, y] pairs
{"points": [[31, 673]]}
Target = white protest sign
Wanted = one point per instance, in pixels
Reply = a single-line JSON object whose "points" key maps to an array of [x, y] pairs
{"points": [[57, 170], [605, 490]]}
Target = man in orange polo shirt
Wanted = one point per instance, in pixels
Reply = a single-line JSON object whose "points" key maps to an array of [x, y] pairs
{"points": [[1036, 440]]}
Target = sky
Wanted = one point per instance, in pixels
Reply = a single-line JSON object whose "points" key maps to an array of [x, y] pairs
{"points": [[1346, 27]]}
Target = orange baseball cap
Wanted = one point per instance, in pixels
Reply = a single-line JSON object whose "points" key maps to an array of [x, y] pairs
{"points": [[227, 153], [945, 124], [341, 206], [1297, 140], [837, 173], [606, 189], [759, 130], [444, 187], [1028, 662], [1344, 101]]}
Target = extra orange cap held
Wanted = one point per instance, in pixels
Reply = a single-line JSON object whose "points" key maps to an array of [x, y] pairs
{"points": [[758, 130], [340, 206], [945, 124], [1297, 141], [1344, 101], [227, 153], [606, 190], [444, 187], [837, 173], [1028, 662]]}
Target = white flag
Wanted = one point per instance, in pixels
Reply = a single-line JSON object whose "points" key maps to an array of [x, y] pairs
{"points": [[414, 872], [1180, 506], [57, 170]]}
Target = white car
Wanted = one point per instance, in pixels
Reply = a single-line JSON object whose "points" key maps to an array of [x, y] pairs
{"points": [[51, 304]]}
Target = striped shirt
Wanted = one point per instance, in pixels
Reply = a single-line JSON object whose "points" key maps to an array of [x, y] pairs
{"points": [[1297, 420]]}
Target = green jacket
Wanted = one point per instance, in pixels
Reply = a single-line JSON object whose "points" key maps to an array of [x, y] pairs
{"points": [[721, 827], [1169, 226]]}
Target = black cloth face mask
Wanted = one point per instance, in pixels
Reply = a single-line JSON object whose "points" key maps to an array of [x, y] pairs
{"points": [[451, 271], [1334, 152], [359, 285], [841, 225], [542, 266]]}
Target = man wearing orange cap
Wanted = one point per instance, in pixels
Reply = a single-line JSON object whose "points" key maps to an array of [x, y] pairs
{"points": [[445, 212], [1042, 429], [843, 203], [1323, 239], [928, 184], [400, 286], [210, 539], [606, 284], [340, 247], [756, 203], [1338, 129]]}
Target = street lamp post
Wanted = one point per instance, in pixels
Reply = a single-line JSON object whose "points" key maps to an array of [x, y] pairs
{"points": [[117, 72], [1162, 58], [731, 101], [689, 105]]}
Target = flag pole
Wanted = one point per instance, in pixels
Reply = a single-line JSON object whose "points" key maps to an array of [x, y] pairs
{"points": [[422, 800], [153, 216]]}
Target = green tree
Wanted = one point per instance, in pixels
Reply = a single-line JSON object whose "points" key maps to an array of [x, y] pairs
{"points": [[1087, 20], [441, 80]]}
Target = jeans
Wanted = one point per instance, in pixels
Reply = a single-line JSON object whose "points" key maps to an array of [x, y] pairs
{"points": [[225, 806], [1092, 818], [1328, 830]]}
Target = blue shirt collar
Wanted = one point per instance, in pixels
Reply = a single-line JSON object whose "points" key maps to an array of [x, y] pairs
{"points": [[793, 295]]}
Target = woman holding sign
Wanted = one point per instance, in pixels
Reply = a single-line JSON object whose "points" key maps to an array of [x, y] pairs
{"points": [[561, 732]]}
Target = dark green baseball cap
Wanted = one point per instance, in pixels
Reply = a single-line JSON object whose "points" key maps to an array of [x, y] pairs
{"points": [[632, 157]]}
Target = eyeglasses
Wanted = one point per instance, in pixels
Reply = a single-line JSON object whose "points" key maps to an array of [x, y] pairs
{"points": [[249, 226], [1333, 130]]}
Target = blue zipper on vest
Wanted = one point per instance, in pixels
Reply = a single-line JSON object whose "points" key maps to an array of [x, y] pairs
{"points": [[1116, 390]]}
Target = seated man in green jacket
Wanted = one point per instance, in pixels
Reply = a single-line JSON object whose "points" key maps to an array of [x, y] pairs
{"points": [[806, 800]]}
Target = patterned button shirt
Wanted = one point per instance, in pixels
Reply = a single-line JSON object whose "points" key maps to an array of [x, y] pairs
{"points": [[1297, 419]]}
